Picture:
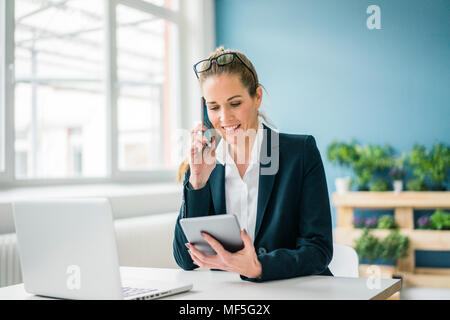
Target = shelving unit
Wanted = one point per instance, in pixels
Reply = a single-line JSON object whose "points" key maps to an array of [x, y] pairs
{"points": [[403, 205]]}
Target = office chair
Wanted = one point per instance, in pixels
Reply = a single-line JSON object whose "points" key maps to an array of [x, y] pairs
{"points": [[345, 262]]}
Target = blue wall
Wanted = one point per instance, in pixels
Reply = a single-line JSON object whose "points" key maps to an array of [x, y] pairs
{"points": [[328, 75]]}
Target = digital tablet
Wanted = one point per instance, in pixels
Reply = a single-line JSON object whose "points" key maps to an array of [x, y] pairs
{"points": [[223, 227]]}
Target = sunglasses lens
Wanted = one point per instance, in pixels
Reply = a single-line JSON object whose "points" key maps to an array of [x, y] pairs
{"points": [[225, 59], [202, 66]]}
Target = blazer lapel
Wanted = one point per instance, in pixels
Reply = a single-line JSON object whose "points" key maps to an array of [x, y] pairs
{"points": [[217, 183], [269, 163]]}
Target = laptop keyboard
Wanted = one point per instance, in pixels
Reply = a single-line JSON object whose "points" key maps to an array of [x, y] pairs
{"points": [[129, 292]]}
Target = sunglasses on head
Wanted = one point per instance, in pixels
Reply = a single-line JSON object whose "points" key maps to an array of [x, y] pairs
{"points": [[222, 60]]}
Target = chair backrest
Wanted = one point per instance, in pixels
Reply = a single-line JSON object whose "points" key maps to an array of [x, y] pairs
{"points": [[345, 261]]}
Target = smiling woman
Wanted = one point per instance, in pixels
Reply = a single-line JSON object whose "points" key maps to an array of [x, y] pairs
{"points": [[248, 87], [273, 182]]}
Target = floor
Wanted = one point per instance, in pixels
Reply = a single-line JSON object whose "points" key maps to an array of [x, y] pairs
{"points": [[416, 293]]}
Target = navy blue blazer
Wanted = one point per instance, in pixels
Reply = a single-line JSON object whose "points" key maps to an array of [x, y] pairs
{"points": [[293, 234]]}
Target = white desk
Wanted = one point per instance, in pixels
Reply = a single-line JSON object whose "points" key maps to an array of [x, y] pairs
{"points": [[220, 285]]}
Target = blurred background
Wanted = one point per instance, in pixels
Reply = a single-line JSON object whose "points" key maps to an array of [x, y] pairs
{"points": [[329, 75], [97, 95]]}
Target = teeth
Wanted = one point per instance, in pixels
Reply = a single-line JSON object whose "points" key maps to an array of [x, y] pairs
{"points": [[231, 128]]}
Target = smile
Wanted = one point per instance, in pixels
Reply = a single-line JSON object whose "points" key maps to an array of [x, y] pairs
{"points": [[231, 129]]}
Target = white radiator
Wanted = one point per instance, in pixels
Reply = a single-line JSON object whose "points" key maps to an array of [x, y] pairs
{"points": [[10, 272]]}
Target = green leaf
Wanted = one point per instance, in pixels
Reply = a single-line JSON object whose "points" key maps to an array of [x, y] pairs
{"points": [[440, 220], [386, 222], [395, 246]]}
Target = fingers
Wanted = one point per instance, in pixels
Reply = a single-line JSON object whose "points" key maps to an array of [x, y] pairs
{"points": [[216, 245], [199, 126], [196, 252], [198, 140], [246, 239], [198, 145], [201, 259], [198, 130], [201, 263], [210, 153], [202, 150], [213, 149], [213, 142], [218, 261], [193, 257]]}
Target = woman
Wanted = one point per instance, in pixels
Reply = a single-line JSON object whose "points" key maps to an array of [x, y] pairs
{"points": [[273, 182]]}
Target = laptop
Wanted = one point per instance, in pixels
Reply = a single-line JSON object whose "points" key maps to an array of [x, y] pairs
{"points": [[68, 250]]}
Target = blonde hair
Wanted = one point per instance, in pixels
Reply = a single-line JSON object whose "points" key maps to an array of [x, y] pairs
{"points": [[236, 67]]}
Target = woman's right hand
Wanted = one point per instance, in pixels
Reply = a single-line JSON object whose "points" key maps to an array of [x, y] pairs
{"points": [[202, 160]]}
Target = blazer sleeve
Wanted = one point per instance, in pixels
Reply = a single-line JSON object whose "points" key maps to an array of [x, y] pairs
{"points": [[195, 203], [314, 244]]}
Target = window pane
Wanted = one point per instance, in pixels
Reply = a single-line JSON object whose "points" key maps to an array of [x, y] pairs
{"points": [[60, 113], [146, 77]]}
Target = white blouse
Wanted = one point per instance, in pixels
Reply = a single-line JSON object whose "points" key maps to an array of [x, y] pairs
{"points": [[241, 194]]}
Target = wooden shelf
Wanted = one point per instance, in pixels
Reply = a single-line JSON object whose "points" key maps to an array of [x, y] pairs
{"points": [[388, 199], [403, 204], [419, 239]]}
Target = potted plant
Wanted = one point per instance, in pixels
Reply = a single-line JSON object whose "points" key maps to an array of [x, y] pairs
{"points": [[433, 164], [419, 164], [394, 246], [367, 246], [439, 158], [397, 173], [386, 222], [440, 220], [341, 154], [424, 222], [379, 184], [371, 249], [370, 159], [416, 184], [371, 223], [359, 222], [364, 160]]}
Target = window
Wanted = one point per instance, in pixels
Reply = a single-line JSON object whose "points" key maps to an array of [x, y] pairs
{"points": [[59, 88], [61, 104], [90, 90], [144, 46]]}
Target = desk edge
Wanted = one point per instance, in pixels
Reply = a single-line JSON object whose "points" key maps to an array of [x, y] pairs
{"points": [[396, 287]]}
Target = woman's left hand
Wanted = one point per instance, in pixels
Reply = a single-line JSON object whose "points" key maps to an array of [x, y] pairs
{"points": [[244, 262]]}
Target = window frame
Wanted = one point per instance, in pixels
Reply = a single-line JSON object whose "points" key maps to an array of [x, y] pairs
{"points": [[7, 87], [113, 132], [194, 42], [2, 100]]}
